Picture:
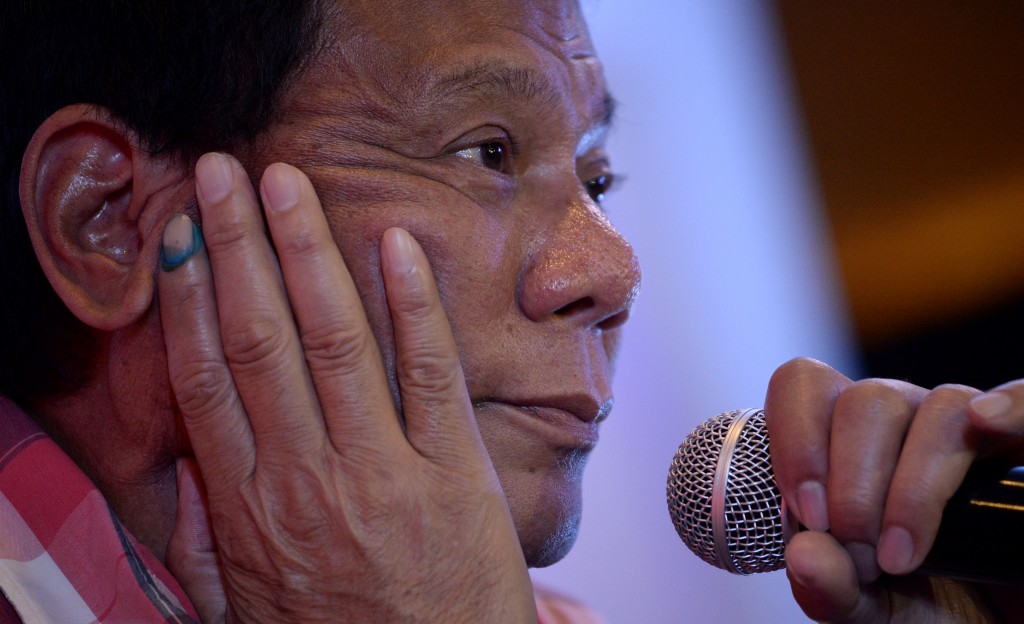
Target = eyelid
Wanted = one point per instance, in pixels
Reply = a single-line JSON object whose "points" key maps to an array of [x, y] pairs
{"points": [[482, 136], [594, 166]]}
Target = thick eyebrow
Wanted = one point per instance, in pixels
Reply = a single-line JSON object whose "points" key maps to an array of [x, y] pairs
{"points": [[518, 85]]}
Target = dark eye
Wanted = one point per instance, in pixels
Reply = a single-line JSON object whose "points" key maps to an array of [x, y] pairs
{"points": [[492, 155], [599, 186]]}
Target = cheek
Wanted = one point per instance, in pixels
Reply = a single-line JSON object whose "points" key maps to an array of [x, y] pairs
{"points": [[475, 259], [359, 244], [476, 265]]}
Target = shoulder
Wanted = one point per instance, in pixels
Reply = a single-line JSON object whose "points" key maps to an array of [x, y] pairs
{"points": [[557, 608]]}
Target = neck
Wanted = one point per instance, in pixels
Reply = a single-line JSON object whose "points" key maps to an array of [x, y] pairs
{"points": [[121, 431]]}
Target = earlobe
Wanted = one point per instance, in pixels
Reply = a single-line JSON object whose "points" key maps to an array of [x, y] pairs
{"points": [[83, 202]]}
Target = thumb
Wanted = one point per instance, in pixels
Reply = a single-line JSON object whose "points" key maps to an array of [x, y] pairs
{"points": [[192, 552]]}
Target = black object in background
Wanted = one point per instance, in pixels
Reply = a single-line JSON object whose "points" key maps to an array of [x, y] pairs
{"points": [[982, 351]]}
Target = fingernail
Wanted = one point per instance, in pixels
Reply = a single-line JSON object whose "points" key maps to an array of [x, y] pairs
{"points": [[280, 188], [398, 249], [214, 174], [991, 406], [181, 239], [865, 560], [812, 506], [895, 550]]}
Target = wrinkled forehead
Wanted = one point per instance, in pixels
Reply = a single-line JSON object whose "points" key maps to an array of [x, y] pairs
{"points": [[411, 25], [407, 46]]}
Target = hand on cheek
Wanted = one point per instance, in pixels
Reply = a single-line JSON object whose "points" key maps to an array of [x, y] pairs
{"points": [[322, 506]]}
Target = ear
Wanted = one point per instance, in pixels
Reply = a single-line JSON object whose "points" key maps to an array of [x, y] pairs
{"points": [[91, 196]]}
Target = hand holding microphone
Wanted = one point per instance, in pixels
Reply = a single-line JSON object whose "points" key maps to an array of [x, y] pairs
{"points": [[727, 509], [869, 467]]}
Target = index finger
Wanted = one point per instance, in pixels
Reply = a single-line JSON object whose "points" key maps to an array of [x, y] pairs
{"points": [[798, 412]]}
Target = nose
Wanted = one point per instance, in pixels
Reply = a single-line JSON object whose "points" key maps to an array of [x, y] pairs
{"points": [[584, 271]]}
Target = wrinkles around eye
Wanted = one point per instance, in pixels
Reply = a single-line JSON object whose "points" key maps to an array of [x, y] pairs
{"points": [[496, 156]]}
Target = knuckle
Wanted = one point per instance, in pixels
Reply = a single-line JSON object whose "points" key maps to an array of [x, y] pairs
{"points": [[946, 407], [874, 388], [950, 395], [202, 386], [799, 367], [799, 377], [877, 397], [255, 341], [413, 307], [336, 347], [424, 371]]}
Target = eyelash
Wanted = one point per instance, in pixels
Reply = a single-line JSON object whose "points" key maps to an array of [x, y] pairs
{"points": [[597, 187]]}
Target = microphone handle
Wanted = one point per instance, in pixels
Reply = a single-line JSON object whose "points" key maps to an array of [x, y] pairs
{"points": [[980, 536]]}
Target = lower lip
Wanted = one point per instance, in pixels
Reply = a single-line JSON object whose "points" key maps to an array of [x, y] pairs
{"points": [[557, 427]]}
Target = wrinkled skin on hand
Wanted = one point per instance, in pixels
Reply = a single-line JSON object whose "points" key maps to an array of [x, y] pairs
{"points": [[873, 462], [381, 438], [322, 507]]}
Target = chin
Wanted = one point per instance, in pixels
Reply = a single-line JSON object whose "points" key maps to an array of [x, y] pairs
{"points": [[540, 553], [547, 507]]}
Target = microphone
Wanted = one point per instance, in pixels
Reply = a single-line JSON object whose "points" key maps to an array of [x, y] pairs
{"points": [[726, 507]]}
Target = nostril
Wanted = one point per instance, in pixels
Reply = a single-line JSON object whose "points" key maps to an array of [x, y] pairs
{"points": [[579, 305], [613, 321]]}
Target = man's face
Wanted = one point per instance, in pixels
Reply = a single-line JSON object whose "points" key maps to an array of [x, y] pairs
{"points": [[478, 126]]}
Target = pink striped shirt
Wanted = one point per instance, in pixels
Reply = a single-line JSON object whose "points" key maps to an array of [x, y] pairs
{"points": [[64, 556]]}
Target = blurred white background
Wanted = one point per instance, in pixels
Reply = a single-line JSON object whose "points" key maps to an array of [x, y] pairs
{"points": [[739, 277]]}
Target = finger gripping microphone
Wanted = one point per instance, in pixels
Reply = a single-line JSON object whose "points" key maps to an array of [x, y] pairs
{"points": [[727, 509]]}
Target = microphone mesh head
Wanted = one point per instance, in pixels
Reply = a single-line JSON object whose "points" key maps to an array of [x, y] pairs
{"points": [[750, 533]]}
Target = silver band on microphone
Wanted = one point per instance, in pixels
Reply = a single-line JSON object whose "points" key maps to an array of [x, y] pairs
{"points": [[722, 495]]}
